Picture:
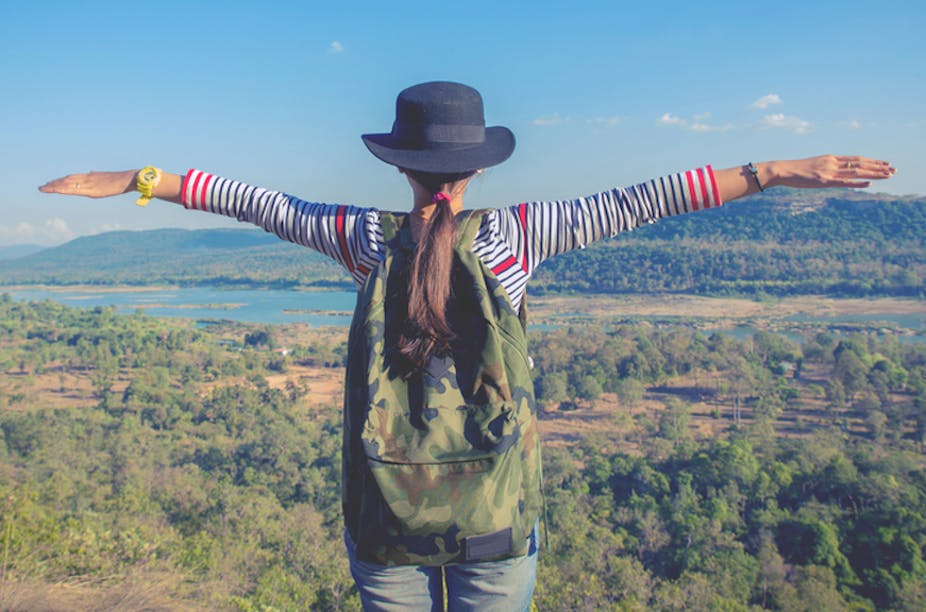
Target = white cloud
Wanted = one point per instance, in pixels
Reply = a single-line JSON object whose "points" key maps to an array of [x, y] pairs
{"points": [[853, 124], [696, 124], [766, 101], [57, 228], [549, 120], [786, 122], [53, 231], [335, 47], [607, 122], [109, 227]]}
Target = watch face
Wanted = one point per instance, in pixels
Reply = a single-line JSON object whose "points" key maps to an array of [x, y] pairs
{"points": [[145, 183]]}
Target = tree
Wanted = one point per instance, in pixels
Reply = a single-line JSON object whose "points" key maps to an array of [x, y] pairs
{"points": [[815, 589], [674, 421], [742, 383], [552, 387], [588, 388], [630, 392], [258, 338], [877, 425], [851, 371]]}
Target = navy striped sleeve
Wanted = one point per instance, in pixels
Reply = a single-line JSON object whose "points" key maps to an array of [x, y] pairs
{"points": [[536, 231], [350, 235]]}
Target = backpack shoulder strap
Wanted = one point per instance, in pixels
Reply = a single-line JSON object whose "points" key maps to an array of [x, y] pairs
{"points": [[522, 313], [391, 223], [468, 224]]}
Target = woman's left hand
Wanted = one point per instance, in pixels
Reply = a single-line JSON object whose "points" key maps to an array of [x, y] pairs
{"points": [[853, 171]]}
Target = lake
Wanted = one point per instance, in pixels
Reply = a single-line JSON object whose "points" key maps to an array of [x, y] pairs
{"points": [[321, 308], [272, 306]]}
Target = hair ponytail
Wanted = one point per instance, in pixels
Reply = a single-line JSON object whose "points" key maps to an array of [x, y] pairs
{"points": [[427, 331]]}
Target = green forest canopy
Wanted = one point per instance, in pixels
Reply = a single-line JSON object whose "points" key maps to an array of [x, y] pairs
{"points": [[190, 481]]}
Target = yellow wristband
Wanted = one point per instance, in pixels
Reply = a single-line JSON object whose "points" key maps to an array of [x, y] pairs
{"points": [[145, 182]]}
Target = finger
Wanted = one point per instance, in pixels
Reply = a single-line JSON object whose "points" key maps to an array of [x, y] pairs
{"points": [[866, 172], [59, 186], [68, 185], [848, 163], [56, 186], [858, 160], [851, 184], [866, 163]]}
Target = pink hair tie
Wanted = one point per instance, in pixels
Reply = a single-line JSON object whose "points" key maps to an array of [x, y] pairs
{"points": [[439, 197]]}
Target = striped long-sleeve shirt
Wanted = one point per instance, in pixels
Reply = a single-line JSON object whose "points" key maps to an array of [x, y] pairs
{"points": [[512, 241]]}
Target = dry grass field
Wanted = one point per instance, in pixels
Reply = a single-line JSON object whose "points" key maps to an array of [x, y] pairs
{"points": [[624, 427], [719, 309], [605, 418]]}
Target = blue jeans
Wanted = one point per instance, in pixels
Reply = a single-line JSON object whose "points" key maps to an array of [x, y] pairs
{"points": [[505, 586]]}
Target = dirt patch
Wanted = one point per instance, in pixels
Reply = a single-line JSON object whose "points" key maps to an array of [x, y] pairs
{"points": [[54, 388], [142, 590], [325, 385]]}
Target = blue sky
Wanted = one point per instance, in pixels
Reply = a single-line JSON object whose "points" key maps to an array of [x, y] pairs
{"points": [[599, 94]]}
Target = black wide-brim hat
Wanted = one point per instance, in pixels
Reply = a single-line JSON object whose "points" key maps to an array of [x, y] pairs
{"points": [[440, 128]]}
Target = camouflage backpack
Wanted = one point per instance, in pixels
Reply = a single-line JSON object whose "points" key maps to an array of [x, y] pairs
{"points": [[443, 467]]}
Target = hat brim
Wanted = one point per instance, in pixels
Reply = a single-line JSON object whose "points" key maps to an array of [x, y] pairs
{"points": [[497, 147]]}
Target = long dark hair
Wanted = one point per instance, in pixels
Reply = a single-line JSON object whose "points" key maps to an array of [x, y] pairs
{"points": [[426, 331]]}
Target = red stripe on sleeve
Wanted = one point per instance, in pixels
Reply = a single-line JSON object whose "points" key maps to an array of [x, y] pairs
{"points": [[342, 238], [202, 193], [691, 191], [714, 189], [196, 180], [186, 185], [703, 179], [522, 217], [504, 265]]}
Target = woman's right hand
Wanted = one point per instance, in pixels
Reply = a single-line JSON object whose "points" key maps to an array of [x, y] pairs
{"points": [[92, 184], [105, 184]]}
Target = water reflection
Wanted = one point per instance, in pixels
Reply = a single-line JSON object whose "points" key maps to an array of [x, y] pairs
{"points": [[320, 308]]}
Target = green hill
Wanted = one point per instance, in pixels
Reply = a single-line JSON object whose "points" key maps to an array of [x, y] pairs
{"points": [[18, 250], [782, 242], [175, 256]]}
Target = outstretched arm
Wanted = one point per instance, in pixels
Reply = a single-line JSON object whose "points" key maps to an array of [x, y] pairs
{"points": [[535, 231], [350, 235], [852, 171], [105, 184]]}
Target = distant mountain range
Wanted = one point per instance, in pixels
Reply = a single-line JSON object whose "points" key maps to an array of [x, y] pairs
{"points": [[175, 256], [835, 242], [19, 250]]}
